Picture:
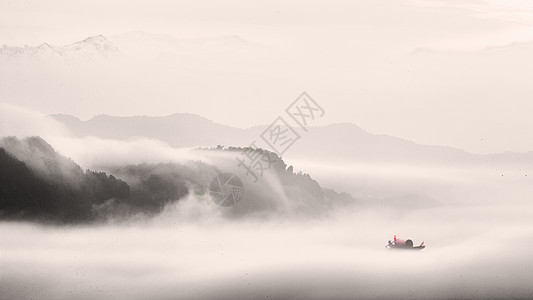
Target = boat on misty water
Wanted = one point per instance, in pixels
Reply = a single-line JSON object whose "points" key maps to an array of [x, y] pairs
{"points": [[404, 244]]}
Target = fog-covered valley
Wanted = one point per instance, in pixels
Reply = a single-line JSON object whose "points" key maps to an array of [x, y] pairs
{"points": [[266, 150], [191, 251], [279, 241]]}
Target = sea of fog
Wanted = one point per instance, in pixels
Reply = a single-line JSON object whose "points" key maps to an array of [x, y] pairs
{"points": [[476, 224]]}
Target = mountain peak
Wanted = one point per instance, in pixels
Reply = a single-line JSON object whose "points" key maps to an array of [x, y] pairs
{"points": [[46, 50], [44, 46], [92, 47], [96, 39]]}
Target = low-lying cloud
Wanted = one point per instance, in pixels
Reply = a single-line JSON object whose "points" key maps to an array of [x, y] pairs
{"points": [[22, 122], [467, 256]]}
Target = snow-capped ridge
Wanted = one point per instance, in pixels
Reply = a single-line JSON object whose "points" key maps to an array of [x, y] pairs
{"points": [[93, 47]]}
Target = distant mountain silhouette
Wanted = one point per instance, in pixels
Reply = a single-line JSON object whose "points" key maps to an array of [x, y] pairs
{"points": [[178, 130], [341, 142], [93, 47], [348, 142]]}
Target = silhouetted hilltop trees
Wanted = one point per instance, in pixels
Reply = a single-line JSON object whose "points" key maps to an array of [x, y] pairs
{"points": [[303, 194], [22, 193], [43, 160], [152, 186], [37, 183], [48, 186], [101, 186]]}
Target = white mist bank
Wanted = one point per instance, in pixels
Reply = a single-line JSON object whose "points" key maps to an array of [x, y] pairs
{"points": [[190, 252], [405, 186]]}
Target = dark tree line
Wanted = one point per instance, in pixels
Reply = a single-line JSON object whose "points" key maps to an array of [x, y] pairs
{"points": [[25, 194], [49, 187], [37, 183]]}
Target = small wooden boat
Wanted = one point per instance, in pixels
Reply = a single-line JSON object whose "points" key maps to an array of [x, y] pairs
{"points": [[404, 244]]}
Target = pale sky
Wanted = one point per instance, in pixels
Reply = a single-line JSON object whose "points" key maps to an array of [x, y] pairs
{"points": [[354, 57]]}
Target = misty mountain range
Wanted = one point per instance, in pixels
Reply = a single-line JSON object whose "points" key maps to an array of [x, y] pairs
{"points": [[340, 142], [37, 183], [138, 67], [134, 44], [40, 184], [92, 47]]}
